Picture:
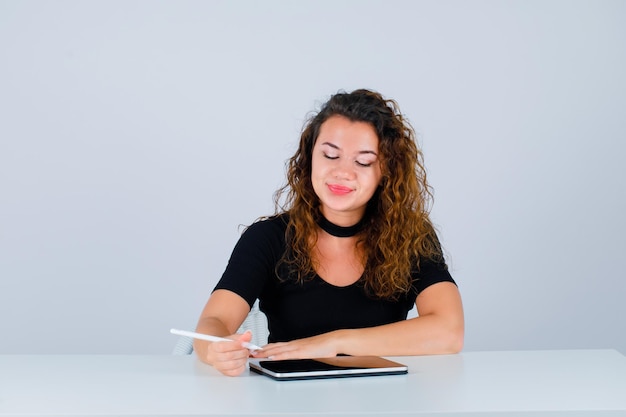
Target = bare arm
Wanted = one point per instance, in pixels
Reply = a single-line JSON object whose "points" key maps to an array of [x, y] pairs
{"points": [[438, 329], [223, 314]]}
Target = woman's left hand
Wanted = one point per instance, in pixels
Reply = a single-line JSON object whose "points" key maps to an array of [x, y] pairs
{"points": [[321, 346]]}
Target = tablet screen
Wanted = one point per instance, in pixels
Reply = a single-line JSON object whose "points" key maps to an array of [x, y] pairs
{"points": [[339, 366]]}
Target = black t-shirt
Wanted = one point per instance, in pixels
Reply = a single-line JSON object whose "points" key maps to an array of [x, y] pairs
{"points": [[295, 310]]}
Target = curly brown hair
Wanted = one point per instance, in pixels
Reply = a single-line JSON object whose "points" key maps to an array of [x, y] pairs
{"points": [[398, 232]]}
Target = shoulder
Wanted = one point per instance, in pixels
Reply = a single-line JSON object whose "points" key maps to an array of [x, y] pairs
{"points": [[276, 224], [428, 272], [266, 230], [263, 240]]}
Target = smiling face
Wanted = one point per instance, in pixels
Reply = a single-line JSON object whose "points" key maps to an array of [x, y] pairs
{"points": [[345, 168]]}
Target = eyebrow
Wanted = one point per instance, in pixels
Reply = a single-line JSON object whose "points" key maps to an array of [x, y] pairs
{"points": [[332, 145]]}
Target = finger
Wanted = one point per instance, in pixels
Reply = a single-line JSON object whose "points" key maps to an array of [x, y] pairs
{"points": [[222, 347], [289, 354], [282, 351], [267, 350], [231, 368], [231, 355], [235, 372], [273, 346], [231, 361], [245, 336]]}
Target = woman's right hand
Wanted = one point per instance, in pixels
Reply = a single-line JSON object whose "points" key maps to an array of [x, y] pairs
{"points": [[223, 313], [230, 358]]}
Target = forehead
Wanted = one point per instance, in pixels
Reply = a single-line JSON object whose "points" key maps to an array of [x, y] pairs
{"points": [[341, 131]]}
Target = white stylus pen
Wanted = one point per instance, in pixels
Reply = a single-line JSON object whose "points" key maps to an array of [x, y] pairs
{"points": [[210, 338]]}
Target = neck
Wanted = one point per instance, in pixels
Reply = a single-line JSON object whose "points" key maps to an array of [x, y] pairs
{"points": [[340, 231]]}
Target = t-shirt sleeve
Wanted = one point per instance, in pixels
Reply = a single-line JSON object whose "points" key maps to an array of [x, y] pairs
{"points": [[429, 273], [253, 260]]}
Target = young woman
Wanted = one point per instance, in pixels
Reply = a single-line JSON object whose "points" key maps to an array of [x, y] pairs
{"points": [[349, 252]]}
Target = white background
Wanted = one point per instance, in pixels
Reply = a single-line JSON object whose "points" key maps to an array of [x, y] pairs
{"points": [[136, 136]]}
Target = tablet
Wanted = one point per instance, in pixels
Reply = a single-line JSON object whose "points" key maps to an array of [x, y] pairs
{"points": [[335, 367]]}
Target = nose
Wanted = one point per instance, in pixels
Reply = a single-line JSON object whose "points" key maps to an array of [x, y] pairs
{"points": [[344, 170]]}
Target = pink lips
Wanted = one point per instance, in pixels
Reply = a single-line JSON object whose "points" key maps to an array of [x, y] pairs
{"points": [[339, 189]]}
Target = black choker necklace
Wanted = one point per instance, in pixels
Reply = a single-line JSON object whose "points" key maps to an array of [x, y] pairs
{"points": [[340, 231]]}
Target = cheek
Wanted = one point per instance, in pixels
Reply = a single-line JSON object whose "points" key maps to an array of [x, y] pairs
{"points": [[319, 169], [377, 177], [317, 174], [371, 184]]}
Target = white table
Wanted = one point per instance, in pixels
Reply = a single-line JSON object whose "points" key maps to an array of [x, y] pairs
{"points": [[521, 383]]}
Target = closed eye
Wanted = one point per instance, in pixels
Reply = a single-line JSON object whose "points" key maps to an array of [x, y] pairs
{"points": [[361, 164], [329, 156]]}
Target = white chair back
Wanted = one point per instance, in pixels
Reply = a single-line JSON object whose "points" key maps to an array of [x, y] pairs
{"points": [[256, 322]]}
